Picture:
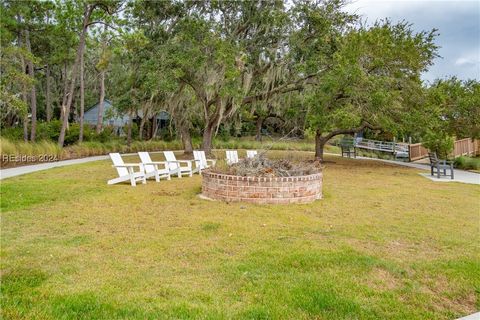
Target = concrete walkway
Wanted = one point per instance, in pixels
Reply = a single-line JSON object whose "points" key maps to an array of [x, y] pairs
{"points": [[17, 171], [475, 316], [460, 175]]}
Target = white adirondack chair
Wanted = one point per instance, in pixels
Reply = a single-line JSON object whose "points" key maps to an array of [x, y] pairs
{"points": [[201, 161], [125, 171], [251, 153], [152, 167], [232, 157], [175, 166]]}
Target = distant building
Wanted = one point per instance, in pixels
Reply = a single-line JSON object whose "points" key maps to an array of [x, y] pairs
{"points": [[111, 118]]}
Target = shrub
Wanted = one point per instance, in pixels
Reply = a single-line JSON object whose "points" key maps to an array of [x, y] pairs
{"points": [[13, 133], [107, 134], [49, 130], [439, 142], [467, 163]]}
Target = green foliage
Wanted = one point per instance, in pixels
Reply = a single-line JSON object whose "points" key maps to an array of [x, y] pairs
{"points": [[372, 77], [467, 163], [12, 133], [439, 142], [453, 106], [107, 134], [224, 133], [221, 64]]}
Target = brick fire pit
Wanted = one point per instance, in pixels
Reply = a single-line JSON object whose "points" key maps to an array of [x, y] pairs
{"points": [[276, 190]]}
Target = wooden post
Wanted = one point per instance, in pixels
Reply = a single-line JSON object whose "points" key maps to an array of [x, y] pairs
{"points": [[394, 151]]}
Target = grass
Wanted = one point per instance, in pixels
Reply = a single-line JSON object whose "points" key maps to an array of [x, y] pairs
{"points": [[270, 144], [94, 148], [85, 149], [384, 243]]}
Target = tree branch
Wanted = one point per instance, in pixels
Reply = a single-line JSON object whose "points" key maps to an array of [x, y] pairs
{"points": [[104, 23], [363, 126], [289, 87]]}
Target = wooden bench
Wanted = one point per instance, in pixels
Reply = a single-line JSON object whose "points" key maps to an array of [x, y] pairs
{"points": [[439, 166]]}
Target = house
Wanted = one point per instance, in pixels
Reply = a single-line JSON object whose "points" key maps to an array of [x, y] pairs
{"points": [[112, 118]]}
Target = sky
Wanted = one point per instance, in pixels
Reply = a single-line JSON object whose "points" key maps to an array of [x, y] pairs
{"points": [[458, 24]]}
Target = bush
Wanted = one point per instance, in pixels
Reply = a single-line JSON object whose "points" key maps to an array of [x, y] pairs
{"points": [[134, 130], [467, 163], [49, 130], [13, 133], [106, 135], [439, 142], [224, 133]]}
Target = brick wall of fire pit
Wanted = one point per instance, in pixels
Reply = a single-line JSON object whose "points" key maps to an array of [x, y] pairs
{"points": [[278, 190]]}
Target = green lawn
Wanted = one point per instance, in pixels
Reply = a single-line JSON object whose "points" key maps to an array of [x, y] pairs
{"points": [[384, 243]]}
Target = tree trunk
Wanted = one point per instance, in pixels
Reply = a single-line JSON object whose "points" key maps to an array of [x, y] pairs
{"points": [[259, 123], [129, 129], [65, 92], [142, 126], [82, 98], [33, 92], [319, 146], [155, 126], [207, 138], [87, 13], [48, 98], [102, 102], [25, 125], [148, 130], [186, 139], [24, 91]]}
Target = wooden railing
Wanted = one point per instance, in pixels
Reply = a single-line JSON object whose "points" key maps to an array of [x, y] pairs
{"points": [[414, 151], [417, 151], [465, 147], [462, 147]]}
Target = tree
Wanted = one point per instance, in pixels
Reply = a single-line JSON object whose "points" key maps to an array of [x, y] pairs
{"points": [[82, 97], [455, 107], [68, 96], [33, 91], [227, 53], [108, 7], [16, 55], [102, 66], [183, 107], [373, 72], [451, 109]]}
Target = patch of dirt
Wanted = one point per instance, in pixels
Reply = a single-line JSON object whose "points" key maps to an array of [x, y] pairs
{"points": [[165, 193], [382, 279], [440, 288]]}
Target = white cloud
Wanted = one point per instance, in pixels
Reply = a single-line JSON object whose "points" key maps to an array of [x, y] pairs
{"points": [[466, 62]]}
